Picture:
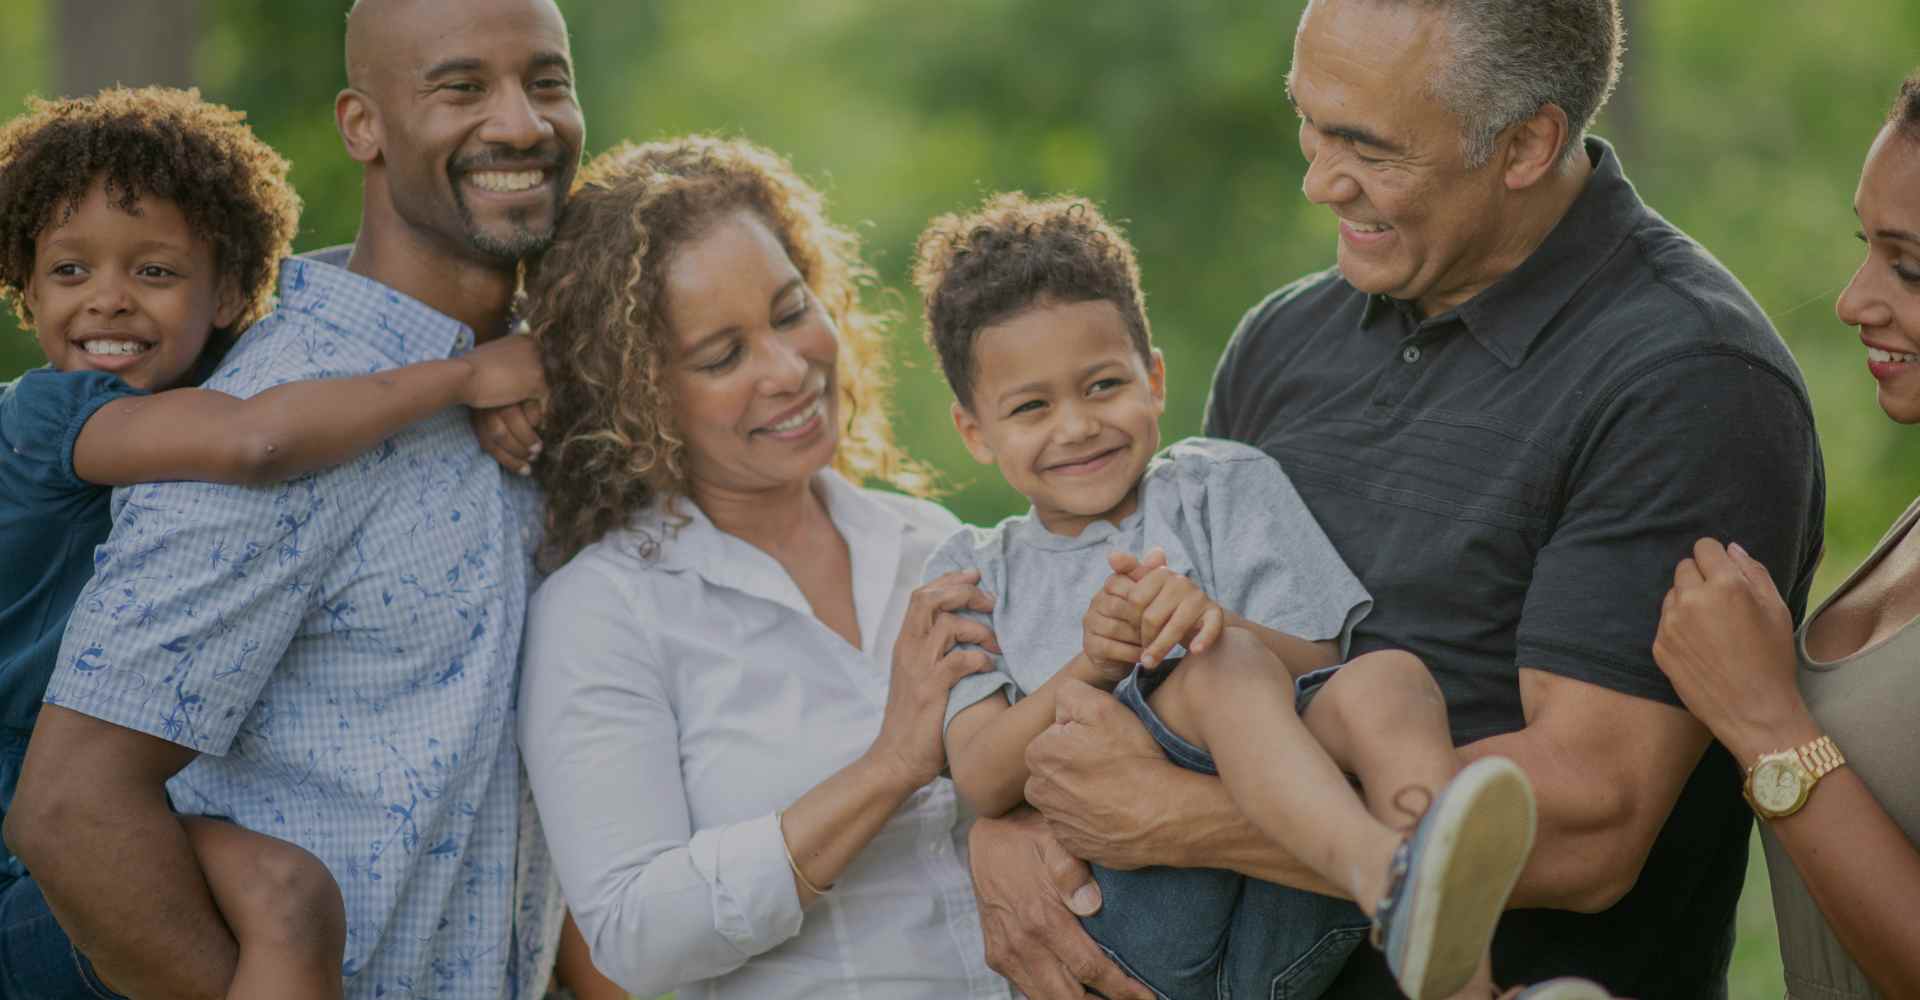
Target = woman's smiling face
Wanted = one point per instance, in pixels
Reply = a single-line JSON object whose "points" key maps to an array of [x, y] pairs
{"points": [[1883, 299], [753, 361]]}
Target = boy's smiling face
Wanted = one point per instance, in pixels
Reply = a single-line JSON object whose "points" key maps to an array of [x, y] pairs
{"points": [[1068, 410], [134, 295]]}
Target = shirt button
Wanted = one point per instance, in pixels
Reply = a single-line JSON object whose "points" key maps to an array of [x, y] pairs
{"points": [[1411, 354]]}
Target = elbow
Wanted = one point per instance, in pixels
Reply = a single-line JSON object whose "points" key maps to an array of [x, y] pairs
{"points": [[256, 458], [34, 825], [1586, 878], [980, 793]]}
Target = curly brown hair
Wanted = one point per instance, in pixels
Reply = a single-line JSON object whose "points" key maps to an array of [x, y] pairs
{"points": [[1906, 108], [1013, 253], [596, 302], [148, 142]]}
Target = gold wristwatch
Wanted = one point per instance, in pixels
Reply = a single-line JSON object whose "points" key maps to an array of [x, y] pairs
{"points": [[1778, 783]]}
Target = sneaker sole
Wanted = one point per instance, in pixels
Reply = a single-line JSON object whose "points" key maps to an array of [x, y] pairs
{"points": [[1475, 851]]}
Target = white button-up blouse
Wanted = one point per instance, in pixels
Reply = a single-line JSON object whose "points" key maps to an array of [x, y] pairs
{"points": [[676, 691]]}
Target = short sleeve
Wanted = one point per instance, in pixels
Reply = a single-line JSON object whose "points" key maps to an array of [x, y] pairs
{"points": [[42, 413], [1710, 444], [957, 553], [195, 597], [1270, 561]]}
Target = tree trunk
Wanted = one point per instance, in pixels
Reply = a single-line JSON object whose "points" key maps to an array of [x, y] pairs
{"points": [[133, 42]]}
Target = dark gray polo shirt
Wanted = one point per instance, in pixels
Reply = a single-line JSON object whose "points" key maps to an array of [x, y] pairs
{"points": [[1514, 482]]}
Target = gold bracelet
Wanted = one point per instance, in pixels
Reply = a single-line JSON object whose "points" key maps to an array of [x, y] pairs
{"points": [[797, 873]]}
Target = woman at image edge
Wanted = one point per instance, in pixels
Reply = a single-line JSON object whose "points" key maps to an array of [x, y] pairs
{"points": [[1840, 837], [736, 761]]}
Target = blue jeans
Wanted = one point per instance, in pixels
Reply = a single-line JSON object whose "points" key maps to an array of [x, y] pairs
{"points": [[1207, 934]]}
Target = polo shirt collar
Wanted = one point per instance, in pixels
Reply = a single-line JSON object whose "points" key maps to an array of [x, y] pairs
{"points": [[1510, 315], [403, 329]]}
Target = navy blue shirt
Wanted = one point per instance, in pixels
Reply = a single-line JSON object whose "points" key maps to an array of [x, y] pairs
{"points": [[1514, 482], [50, 522]]}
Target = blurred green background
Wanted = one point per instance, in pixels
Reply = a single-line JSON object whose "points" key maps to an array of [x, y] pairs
{"points": [[1744, 121]]}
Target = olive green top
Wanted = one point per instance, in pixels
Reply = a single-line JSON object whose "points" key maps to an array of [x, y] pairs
{"points": [[1869, 702]]}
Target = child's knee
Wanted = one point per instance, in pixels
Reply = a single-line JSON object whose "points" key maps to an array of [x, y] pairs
{"points": [[288, 901], [1390, 683], [1237, 661]]}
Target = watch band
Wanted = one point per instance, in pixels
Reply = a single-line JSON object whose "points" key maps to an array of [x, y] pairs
{"points": [[1819, 757]]}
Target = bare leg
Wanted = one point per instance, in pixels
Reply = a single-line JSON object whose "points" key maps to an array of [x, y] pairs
{"points": [[283, 907], [1382, 719], [575, 969], [1236, 701]]}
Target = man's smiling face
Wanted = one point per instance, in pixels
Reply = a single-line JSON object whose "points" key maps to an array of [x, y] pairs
{"points": [[1384, 153], [481, 131]]}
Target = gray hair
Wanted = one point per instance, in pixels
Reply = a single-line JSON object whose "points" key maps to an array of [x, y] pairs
{"points": [[1510, 58]]}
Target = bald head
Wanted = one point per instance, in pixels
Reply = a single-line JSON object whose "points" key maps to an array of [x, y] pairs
{"points": [[384, 37]]}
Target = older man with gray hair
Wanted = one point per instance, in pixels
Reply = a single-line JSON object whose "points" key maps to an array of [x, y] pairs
{"points": [[1513, 405]]}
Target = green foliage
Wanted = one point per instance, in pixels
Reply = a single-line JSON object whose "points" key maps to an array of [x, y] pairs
{"points": [[1745, 122]]}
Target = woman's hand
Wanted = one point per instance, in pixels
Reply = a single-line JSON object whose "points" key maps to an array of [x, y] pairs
{"points": [[925, 667], [1726, 643]]}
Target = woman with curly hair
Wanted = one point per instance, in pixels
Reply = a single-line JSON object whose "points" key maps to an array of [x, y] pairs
{"points": [[732, 693]]}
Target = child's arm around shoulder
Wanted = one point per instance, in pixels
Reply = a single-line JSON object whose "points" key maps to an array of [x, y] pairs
{"points": [[293, 429]]}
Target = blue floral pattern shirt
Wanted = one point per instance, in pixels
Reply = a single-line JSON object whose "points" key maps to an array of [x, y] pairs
{"points": [[341, 649]]}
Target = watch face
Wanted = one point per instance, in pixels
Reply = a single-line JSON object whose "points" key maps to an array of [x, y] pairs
{"points": [[1776, 786]]}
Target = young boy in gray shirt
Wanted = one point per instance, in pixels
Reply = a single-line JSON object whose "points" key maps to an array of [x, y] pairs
{"points": [[1224, 638]]}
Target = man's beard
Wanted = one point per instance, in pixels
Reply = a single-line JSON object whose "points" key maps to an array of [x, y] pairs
{"points": [[508, 249]]}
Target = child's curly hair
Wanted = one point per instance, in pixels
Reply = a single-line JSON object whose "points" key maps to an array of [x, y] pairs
{"points": [[596, 302], [151, 141], [1013, 253], [1906, 108]]}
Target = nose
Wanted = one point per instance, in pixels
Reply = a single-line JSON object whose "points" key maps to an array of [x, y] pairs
{"points": [[1861, 304], [1077, 422], [513, 121], [110, 295], [1327, 181], [784, 370]]}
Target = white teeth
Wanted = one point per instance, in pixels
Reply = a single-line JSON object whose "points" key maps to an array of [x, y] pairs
{"points": [[1878, 356], [507, 183], [796, 422], [1359, 227], [113, 347]]}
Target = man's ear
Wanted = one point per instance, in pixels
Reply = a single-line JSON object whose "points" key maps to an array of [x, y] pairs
{"points": [[1531, 148], [1157, 380], [970, 434], [359, 124]]}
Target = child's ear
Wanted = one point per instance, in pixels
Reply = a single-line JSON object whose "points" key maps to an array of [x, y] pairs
{"points": [[226, 311], [969, 427], [1157, 380], [359, 124]]}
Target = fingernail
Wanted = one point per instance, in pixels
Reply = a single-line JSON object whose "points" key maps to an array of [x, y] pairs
{"points": [[535, 450], [1735, 547], [1086, 900], [526, 470]]}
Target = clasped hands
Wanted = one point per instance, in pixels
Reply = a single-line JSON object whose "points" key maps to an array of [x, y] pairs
{"points": [[1142, 612]]}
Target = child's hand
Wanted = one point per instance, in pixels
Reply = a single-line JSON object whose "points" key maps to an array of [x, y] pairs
{"points": [[508, 433], [1110, 630], [1173, 611], [503, 372]]}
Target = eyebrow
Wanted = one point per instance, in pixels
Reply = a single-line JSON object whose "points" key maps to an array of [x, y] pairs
{"points": [[1039, 384], [545, 59], [1352, 133], [729, 330]]}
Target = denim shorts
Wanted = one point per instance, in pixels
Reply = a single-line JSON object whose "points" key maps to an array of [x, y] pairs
{"points": [[1208, 934]]}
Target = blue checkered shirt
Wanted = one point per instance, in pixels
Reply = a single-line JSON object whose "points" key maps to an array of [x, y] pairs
{"points": [[341, 649]]}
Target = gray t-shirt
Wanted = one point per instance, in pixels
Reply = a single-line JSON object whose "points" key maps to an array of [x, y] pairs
{"points": [[1227, 517]]}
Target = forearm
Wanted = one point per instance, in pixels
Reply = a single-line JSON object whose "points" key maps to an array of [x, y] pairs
{"points": [[304, 426], [119, 875], [1594, 832], [1202, 828], [989, 759], [1300, 655], [826, 828]]}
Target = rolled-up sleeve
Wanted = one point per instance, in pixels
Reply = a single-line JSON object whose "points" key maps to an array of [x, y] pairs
{"points": [[660, 904]]}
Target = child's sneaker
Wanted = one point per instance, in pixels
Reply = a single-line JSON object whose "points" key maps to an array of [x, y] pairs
{"points": [[1449, 882], [1565, 988]]}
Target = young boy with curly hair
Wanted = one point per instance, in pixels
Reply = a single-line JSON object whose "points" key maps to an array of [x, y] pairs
{"points": [[140, 232], [1035, 311]]}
